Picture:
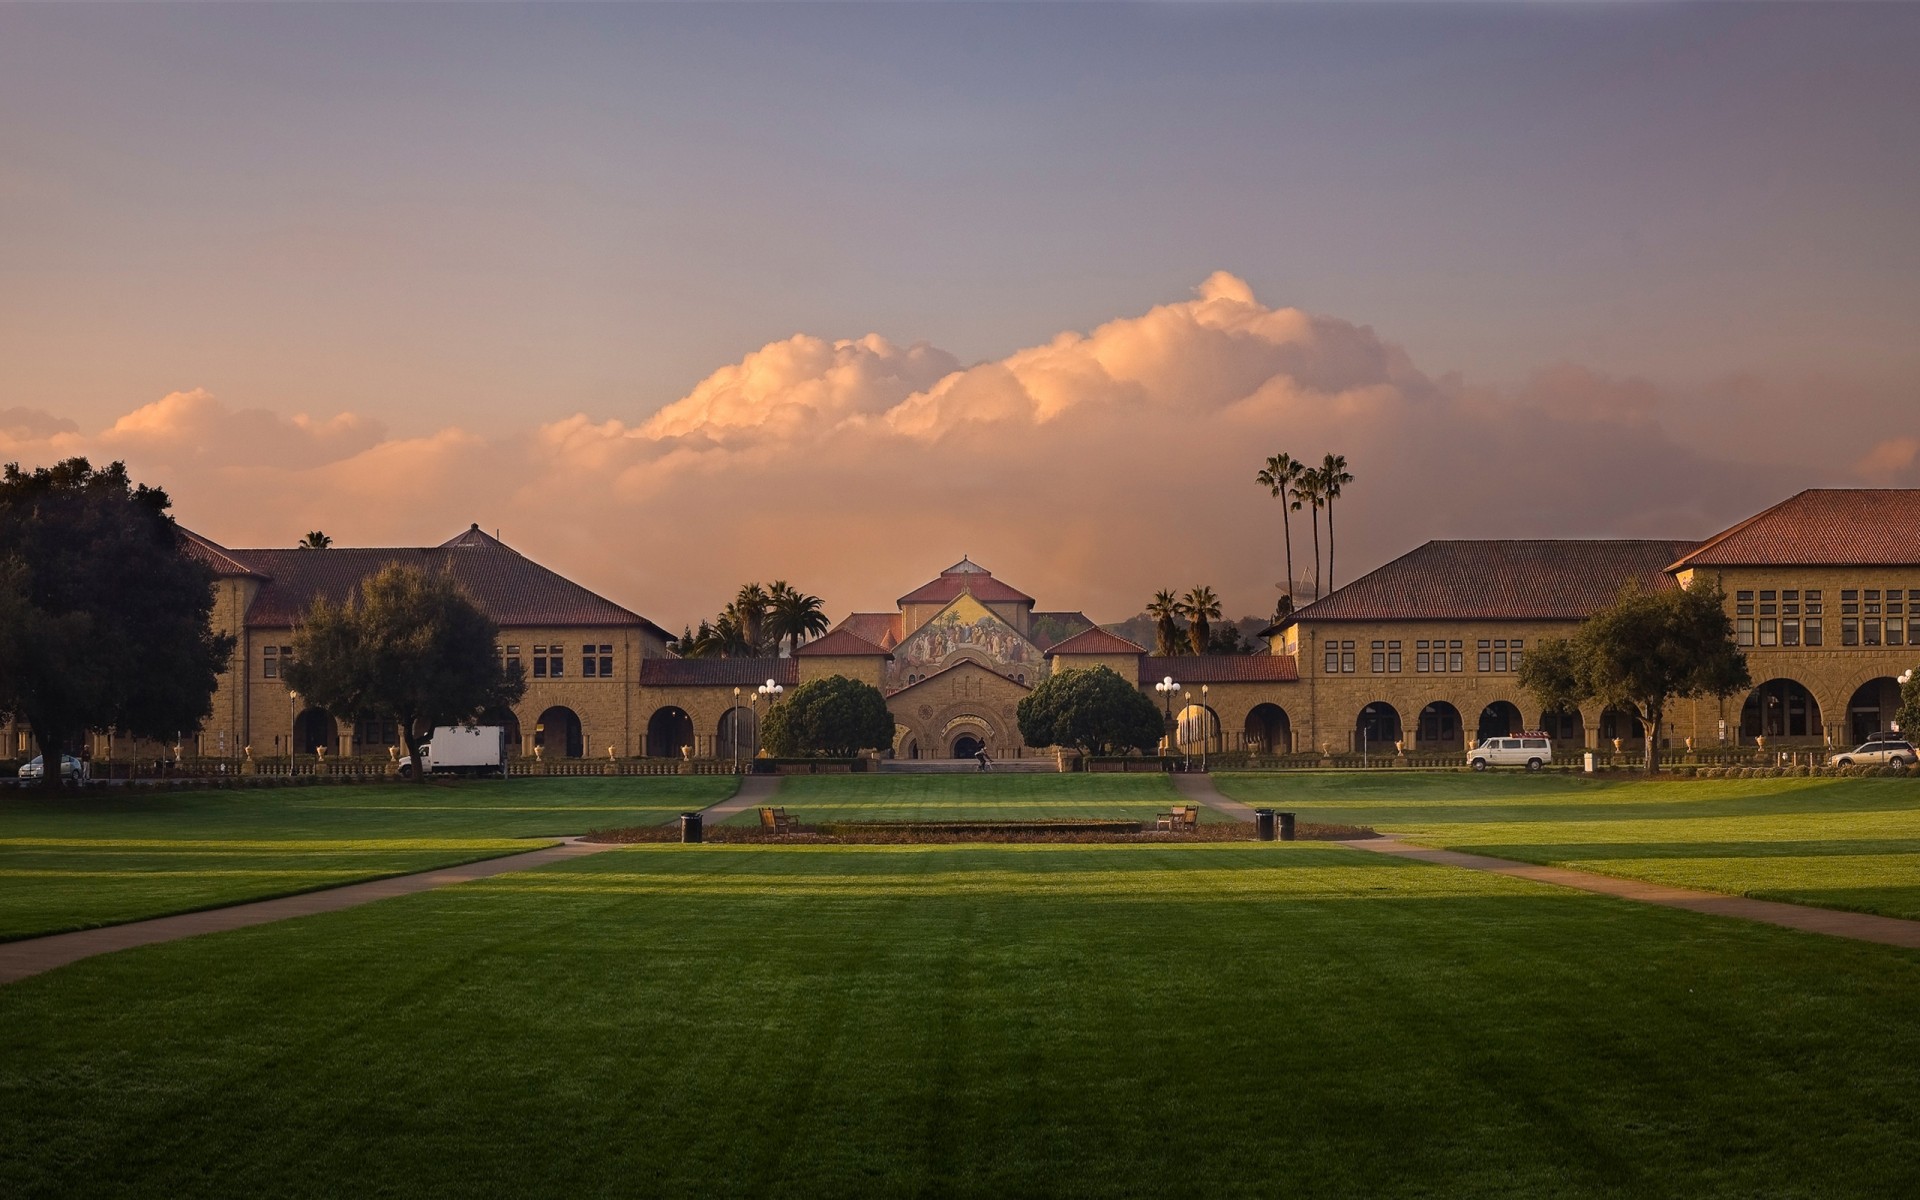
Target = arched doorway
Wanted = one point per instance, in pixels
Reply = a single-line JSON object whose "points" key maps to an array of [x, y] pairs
{"points": [[313, 730], [1197, 730], [1268, 730], [1499, 719], [1780, 708], [1564, 726], [1872, 709], [1440, 727], [557, 734], [668, 730], [1622, 725], [737, 734], [966, 746], [505, 719], [1377, 728]]}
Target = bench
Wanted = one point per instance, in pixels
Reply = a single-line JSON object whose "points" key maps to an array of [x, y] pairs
{"points": [[777, 820], [1184, 818]]}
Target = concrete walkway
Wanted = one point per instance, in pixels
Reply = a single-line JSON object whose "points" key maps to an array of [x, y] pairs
{"points": [[21, 959], [1864, 927], [1198, 788], [755, 790]]}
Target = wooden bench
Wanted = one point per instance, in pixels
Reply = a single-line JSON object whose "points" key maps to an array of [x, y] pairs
{"points": [[777, 820], [1184, 818]]}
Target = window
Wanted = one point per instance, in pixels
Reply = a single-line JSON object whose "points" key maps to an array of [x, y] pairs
{"points": [[1346, 657], [1743, 628], [1849, 630], [1379, 657], [513, 658], [1393, 657], [1813, 630], [589, 665], [1790, 594], [1333, 658], [1484, 659], [556, 662], [1513, 658], [1893, 631], [1873, 630], [1913, 629], [1499, 654], [271, 667], [1420, 660], [1790, 631], [1766, 596], [606, 661], [1769, 631], [539, 662], [1455, 659]]}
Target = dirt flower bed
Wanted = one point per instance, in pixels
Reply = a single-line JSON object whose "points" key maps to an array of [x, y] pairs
{"points": [[809, 835]]}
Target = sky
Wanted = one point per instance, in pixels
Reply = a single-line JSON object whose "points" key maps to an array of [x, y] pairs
{"points": [[674, 297]]}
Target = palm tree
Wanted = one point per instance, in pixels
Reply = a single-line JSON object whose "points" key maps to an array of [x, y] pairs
{"points": [[749, 609], [1278, 477], [1201, 606], [793, 615], [1333, 476], [315, 540], [1165, 610], [1306, 491]]}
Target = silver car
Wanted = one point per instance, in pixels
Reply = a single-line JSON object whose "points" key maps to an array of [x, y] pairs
{"points": [[1885, 751], [70, 768]]}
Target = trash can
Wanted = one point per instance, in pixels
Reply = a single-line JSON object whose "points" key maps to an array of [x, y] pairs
{"points": [[690, 827], [1263, 824], [1286, 827]]}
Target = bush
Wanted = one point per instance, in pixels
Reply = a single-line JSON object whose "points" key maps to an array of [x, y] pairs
{"points": [[1094, 711], [835, 716]]}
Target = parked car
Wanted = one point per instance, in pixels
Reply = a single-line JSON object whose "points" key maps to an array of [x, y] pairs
{"points": [[462, 750], [1884, 750], [70, 768], [1530, 750]]}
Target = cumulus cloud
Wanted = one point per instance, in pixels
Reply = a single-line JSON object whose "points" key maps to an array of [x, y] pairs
{"points": [[1891, 461], [1089, 469]]}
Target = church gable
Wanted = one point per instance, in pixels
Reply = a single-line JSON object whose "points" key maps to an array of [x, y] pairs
{"points": [[964, 631]]}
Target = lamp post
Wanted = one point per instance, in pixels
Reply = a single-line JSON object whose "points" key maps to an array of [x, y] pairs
{"points": [[735, 715], [772, 691], [293, 706], [1186, 702], [1206, 728], [1167, 687]]}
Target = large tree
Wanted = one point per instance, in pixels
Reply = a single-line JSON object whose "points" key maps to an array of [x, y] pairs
{"points": [[1278, 478], [1307, 494], [793, 616], [410, 646], [1333, 477], [1201, 608], [1641, 653], [1094, 711], [836, 716], [109, 618], [1909, 718], [1165, 610]]}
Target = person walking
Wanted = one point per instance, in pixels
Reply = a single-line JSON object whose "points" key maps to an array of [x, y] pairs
{"points": [[985, 762]]}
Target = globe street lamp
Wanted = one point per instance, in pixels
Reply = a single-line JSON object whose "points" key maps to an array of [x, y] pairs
{"points": [[772, 691], [1167, 687], [734, 716], [1206, 728], [293, 705]]}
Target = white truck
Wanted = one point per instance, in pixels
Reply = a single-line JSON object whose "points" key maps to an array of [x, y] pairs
{"points": [[1531, 750], [462, 750]]}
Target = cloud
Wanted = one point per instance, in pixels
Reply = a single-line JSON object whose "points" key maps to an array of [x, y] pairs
{"points": [[1891, 460], [1088, 469]]}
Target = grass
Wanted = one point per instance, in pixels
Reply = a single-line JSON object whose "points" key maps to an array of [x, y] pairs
{"points": [[970, 797], [1837, 843], [99, 858], [1035, 1020]]}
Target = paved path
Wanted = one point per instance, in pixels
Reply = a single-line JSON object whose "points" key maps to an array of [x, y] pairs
{"points": [[755, 790], [18, 960], [1198, 787], [1865, 927]]}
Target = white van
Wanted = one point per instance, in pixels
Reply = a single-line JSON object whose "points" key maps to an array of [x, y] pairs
{"points": [[462, 750], [1529, 750]]}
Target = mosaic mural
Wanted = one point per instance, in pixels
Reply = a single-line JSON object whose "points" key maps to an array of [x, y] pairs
{"points": [[964, 629]]}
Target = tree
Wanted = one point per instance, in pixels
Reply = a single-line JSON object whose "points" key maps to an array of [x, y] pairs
{"points": [[1165, 610], [1094, 711], [1227, 639], [793, 616], [109, 618], [1278, 477], [1909, 717], [1333, 477], [1306, 491], [836, 717], [1639, 654], [749, 612], [1200, 606], [315, 540], [410, 646]]}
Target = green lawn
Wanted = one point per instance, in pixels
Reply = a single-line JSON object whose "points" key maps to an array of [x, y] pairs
{"points": [[98, 858], [1209, 1019], [970, 797], [1838, 843]]}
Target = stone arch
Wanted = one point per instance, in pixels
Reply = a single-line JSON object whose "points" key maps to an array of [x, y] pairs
{"points": [[1439, 727], [1565, 726], [1500, 719], [557, 733], [1377, 727], [1197, 729], [1871, 708], [1780, 708], [737, 732], [1269, 730], [669, 729], [313, 729], [1623, 725]]}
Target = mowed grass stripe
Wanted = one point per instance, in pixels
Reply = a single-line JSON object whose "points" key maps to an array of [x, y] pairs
{"points": [[969, 797], [982, 1020]]}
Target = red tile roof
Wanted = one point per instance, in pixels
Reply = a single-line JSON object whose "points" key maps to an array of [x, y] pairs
{"points": [[1220, 668], [216, 556], [840, 643], [1095, 641], [965, 576], [882, 629], [743, 673], [510, 588], [1498, 581], [1841, 527]]}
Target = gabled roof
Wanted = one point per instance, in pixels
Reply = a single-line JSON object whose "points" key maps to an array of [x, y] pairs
{"points": [[718, 672], [882, 629], [1095, 641], [1841, 527], [960, 664], [965, 576], [216, 556], [1197, 669], [1544, 580], [842, 644], [512, 589]]}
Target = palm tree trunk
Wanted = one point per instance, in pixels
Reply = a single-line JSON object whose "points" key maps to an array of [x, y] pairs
{"points": [[1330, 583], [1316, 552], [1286, 526]]}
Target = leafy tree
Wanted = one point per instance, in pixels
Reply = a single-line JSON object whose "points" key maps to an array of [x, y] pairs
{"points": [[109, 618], [315, 540], [835, 716], [1278, 477], [1228, 639], [793, 616], [1165, 610], [1641, 653], [1200, 607], [1909, 717], [1094, 711], [1333, 477], [410, 646]]}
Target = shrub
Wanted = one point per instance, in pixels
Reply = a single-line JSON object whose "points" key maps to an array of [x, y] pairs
{"points": [[835, 716]]}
